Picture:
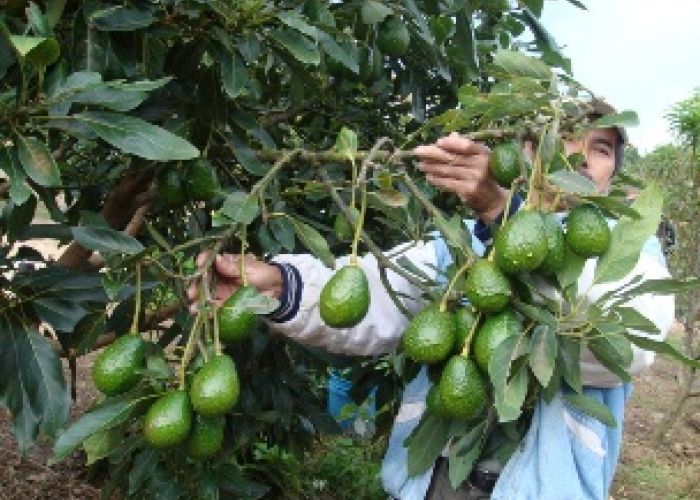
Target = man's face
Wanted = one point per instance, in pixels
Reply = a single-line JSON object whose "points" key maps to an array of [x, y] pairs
{"points": [[598, 148]]}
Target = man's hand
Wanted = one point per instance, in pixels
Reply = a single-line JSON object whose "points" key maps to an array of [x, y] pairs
{"points": [[267, 278], [461, 165]]}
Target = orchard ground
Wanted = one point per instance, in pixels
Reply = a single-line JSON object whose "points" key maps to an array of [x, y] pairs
{"points": [[645, 472]]}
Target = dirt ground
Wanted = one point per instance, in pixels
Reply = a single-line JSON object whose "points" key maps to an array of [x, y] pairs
{"points": [[645, 473]]}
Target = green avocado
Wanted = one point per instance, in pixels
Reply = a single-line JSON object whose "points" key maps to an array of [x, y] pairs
{"points": [[215, 387], [393, 37], [465, 317], [345, 231], [116, 368], [556, 245], [206, 437], [521, 244], [505, 162], [491, 333], [235, 320], [435, 404], [168, 420], [587, 231], [430, 336], [462, 388], [345, 297], [171, 188], [487, 288], [202, 181]]}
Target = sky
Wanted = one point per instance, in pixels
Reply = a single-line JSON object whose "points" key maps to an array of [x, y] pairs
{"points": [[637, 54]]}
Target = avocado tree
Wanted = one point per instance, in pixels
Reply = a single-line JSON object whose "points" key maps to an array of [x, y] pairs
{"points": [[153, 131]]}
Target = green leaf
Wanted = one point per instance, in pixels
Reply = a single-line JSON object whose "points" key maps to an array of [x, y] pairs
{"points": [[103, 239], [463, 455], [614, 352], [623, 119], [283, 231], [551, 52], [631, 318], [346, 143], [19, 190], [571, 270], [88, 330], [374, 12], [591, 407], [426, 443], [240, 207], [453, 232], [663, 286], [101, 444], [300, 47], [61, 314], [629, 235], [568, 359], [543, 353], [662, 347], [334, 50], [112, 413], [234, 74], [613, 205], [536, 313], [572, 182], [509, 398], [31, 383], [110, 98], [518, 64], [313, 241], [144, 467], [42, 51], [259, 303], [246, 157], [38, 162], [119, 18], [135, 136]]}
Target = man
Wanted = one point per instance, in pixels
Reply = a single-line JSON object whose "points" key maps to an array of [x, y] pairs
{"points": [[564, 454]]}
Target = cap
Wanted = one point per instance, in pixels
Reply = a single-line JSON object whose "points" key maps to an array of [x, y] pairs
{"points": [[601, 108]]}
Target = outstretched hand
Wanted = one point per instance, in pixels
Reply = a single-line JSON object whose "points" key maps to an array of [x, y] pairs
{"points": [[266, 278], [458, 164]]}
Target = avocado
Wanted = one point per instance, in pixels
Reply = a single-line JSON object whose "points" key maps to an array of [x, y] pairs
{"points": [[345, 297], [465, 317], [487, 288], [556, 245], [492, 332], [171, 188], [521, 244], [206, 437], [215, 387], [168, 420], [434, 402], [430, 335], [202, 181], [116, 368], [345, 231], [393, 37], [462, 388], [587, 231], [235, 319], [505, 163]]}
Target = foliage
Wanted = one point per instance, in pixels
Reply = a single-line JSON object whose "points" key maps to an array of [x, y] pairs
{"points": [[103, 107]]}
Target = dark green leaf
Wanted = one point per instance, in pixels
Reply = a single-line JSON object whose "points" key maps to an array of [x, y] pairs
{"points": [[234, 74], [9, 162], [463, 455], [42, 51], [18, 218], [331, 47], [38, 162], [135, 136], [543, 353], [535, 6], [112, 413], [101, 444], [145, 463], [119, 18], [114, 99], [569, 356], [629, 235], [614, 352], [622, 119], [61, 314], [453, 232], [551, 52], [572, 182], [313, 241], [631, 318], [518, 64], [374, 12], [426, 443], [664, 286], [536, 313], [577, 4], [283, 231], [103, 239], [88, 330], [571, 270], [240, 207], [300, 47], [591, 407], [31, 383], [464, 51], [662, 347], [246, 157], [613, 205]]}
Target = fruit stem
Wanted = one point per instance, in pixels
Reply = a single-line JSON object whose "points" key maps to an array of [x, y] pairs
{"points": [[353, 183], [360, 223], [137, 304], [244, 243], [453, 281], [468, 341], [189, 347]]}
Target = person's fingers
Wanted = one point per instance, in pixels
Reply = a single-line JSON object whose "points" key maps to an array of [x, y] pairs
{"points": [[454, 185], [434, 154], [462, 172], [459, 145], [227, 265], [202, 258], [192, 291]]}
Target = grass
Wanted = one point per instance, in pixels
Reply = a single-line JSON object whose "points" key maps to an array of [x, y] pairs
{"points": [[654, 479]]}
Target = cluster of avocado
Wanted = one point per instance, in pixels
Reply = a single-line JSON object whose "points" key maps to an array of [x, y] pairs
{"points": [[193, 417], [198, 181], [529, 241]]}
